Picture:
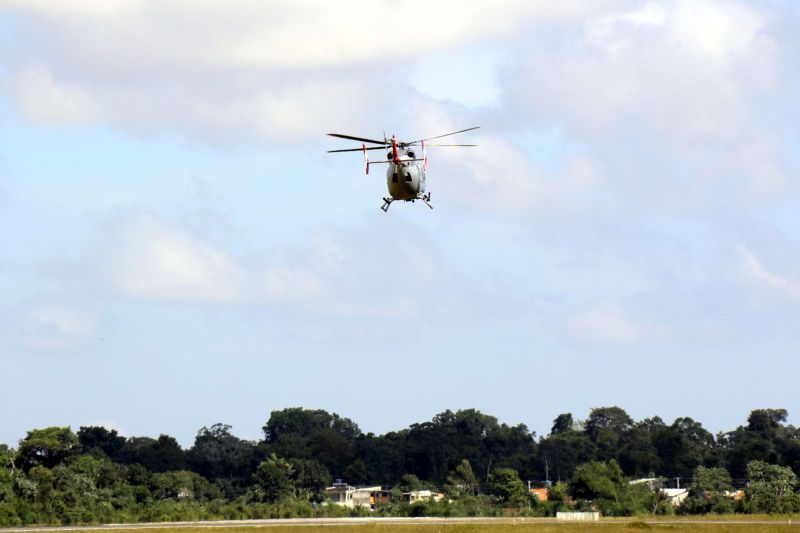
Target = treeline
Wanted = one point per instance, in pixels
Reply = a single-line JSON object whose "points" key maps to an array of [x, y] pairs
{"points": [[57, 476]]}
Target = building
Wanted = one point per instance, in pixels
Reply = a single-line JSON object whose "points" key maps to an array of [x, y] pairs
{"points": [[540, 492], [674, 496], [349, 496], [423, 495]]}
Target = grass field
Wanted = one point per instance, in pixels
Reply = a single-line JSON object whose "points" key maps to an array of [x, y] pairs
{"points": [[538, 527]]}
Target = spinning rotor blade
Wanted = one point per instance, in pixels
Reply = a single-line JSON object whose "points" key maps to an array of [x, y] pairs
{"points": [[352, 138], [357, 149], [446, 134], [429, 145]]}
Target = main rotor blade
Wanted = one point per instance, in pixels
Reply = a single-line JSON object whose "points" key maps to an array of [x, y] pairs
{"points": [[358, 149], [352, 138], [436, 145], [446, 134]]}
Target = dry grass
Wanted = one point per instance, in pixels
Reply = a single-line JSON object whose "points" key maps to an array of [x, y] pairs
{"points": [[520, 527]]}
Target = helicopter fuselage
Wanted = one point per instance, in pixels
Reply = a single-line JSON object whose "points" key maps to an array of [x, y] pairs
{"points": [[405, 179]]}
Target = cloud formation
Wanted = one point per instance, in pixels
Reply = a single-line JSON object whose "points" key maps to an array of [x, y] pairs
{"points": [[344, 273], [278, 71], [760, 277], [51, 327]]}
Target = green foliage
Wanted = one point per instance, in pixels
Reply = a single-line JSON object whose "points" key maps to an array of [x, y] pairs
{"points": [[507, 487], [100, 438], [47, 447], [711, 480], [770, 487], [223, 458], [274, 478], [598, 480], [461, 481], [97, 476], [310, 475], [156, 455], [411, 482], [563, 424], [306, 423], [313, 434], [710, 492]]}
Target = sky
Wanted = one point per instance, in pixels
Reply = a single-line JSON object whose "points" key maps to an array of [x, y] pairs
{"points": [[177, 248]]}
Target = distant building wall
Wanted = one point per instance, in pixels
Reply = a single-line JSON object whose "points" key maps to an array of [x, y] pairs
{"points": [[348, 496], [675, 496], [540, 493], [577, 516], [423, 495]]}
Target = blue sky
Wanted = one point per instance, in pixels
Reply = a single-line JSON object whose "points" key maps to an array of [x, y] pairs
{"points": [[179, 250]]}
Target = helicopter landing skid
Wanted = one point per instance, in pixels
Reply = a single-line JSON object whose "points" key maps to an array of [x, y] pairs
{"points": [[425, 198]]}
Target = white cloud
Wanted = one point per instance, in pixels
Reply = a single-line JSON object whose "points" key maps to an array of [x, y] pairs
{"points": [[149, 260], [612, 324], [390, 272], [299, 33], [603, 324], [368, 274], [465, 76], [52, 326], [499, 175], [688, 70], [676, 99], [758, 275], [271, 71], [43, 100]]}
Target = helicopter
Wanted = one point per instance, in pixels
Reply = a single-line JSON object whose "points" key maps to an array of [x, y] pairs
{"points": [[405, 177]]}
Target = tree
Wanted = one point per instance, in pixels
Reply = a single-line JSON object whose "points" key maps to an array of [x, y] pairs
{"points": [[684, 446], [7, 494], [182, 485], [98, 437], [768, 484], [766, 421], [711, 480], [562, 424], [157, 455], [357, 473], [764, 438], [47, 447], [312, 434], [507, 487], [409, 482], [638, 455], [707, 492], [606, 427], [306, 422], [219, 455], [310, 475], [274, 479], [462, 481], [561, 453], [596, 480]]}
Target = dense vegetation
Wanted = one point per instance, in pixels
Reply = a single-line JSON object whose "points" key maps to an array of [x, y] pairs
{"points": [[57, 476]]}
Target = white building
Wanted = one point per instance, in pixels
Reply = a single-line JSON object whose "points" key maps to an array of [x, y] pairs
{"points": [[423, 495], [349, 496]]}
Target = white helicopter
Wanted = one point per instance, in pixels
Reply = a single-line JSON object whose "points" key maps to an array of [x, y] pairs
{"points": [[405, 176]]}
